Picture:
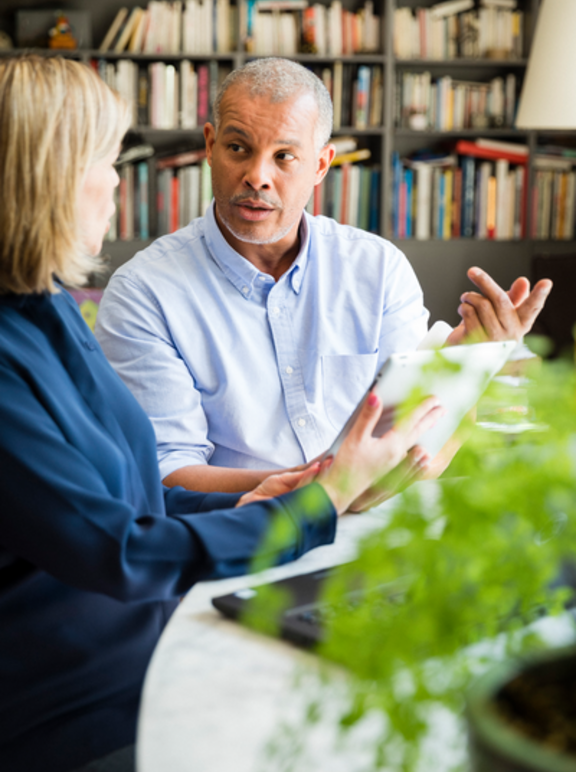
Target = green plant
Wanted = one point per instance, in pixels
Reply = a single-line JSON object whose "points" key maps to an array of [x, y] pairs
{"points": [[477, 554]]}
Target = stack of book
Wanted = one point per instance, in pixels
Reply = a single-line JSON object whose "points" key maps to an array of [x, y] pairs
{"points": [[553, 193], [447, 104], [454, 29], [478, 190], [287, 27], [165, 96], [194, 27], [350, 192], [357, 93], [159, 195]]}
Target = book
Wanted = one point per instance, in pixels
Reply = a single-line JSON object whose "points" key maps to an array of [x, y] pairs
{"points": [[465, 147], [450, 7], [128, 30], [362, 154], [114, 29], [136, 43], [143, 200], [181, 159], [507, 147], [423, 200]]}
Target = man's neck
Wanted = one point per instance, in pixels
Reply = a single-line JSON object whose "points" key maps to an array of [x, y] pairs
{"points": [[274, 259]]}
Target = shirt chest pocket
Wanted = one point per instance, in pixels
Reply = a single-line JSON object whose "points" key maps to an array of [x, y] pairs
{"points": [[345, 379]]}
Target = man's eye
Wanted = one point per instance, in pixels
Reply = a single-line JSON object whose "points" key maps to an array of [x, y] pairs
{"points": [[285, 156], [236, 148]]}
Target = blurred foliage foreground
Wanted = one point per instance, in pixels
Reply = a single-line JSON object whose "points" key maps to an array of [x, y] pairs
{"points": [[476, 563]]}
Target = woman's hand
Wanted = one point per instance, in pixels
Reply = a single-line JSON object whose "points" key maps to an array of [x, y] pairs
{"points": [[363, 461], [277, 484]]}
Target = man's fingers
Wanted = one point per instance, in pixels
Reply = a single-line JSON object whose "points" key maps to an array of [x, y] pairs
{"points": [[534, 303], [475, 332], [489, 288], [519, 291]]}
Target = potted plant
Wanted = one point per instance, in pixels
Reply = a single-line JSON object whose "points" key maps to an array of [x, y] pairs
{"points": [[477, 554]]}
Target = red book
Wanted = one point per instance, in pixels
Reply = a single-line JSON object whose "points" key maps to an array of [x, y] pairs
{"points": [[175, 208], [465, 147], [203, 94], [457, 203], [402, 210], [181, 159]]}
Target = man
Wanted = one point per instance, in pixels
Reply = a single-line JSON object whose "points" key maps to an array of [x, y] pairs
{"points": [[250, 335]]}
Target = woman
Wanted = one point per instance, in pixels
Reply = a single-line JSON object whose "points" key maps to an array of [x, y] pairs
{"points": [[94, 552]]}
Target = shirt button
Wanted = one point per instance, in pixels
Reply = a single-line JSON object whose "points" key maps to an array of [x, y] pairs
{"points": [[244, 290], [275, 310], [301, 422], [289, 370]]}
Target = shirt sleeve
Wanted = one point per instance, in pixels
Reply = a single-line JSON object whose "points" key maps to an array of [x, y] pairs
{"points": [[405, 319], [58, 514], [134, 335]]}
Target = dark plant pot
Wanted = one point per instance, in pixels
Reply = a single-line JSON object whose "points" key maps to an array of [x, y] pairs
{"points": [[494, 744]]}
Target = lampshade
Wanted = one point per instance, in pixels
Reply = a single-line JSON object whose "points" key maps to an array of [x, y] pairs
{"points": [[548, 99]]}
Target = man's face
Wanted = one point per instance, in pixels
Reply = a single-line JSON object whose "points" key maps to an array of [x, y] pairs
{"points": [[264, 166]]}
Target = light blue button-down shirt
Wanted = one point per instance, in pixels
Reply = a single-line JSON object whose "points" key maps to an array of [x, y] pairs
{"points": [[237, 370]]}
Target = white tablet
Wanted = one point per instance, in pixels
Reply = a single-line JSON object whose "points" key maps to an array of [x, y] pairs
{"points": [[457, 375]]}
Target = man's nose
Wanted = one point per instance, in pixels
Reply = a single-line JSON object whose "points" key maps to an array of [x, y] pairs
{"points": [[257, 174]]}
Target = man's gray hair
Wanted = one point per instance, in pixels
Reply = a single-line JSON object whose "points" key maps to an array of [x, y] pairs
{"points": [[279, 80]]}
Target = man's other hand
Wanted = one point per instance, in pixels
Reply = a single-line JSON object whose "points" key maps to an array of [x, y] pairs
{"points": [[493, 314]]}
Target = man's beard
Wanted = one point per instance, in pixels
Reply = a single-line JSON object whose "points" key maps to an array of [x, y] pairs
{"points": [[247, 237]]}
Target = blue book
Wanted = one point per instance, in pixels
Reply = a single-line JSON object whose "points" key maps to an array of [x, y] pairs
{"points": [[409, 180], [441, 205], [374, 219], [468, 186], [143, 207], [396, 182]]}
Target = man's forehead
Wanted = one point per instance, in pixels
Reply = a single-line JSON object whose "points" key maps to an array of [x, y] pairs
{"points": [[267, 100]]}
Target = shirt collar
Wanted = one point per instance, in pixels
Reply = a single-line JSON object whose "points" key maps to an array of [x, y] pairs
{"points": [[239, 271]]}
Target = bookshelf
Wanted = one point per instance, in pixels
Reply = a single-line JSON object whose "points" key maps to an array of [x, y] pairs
{"points": [[439, 263]]}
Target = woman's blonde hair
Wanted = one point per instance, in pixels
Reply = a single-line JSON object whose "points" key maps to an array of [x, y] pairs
{"points": [[57, 118]]}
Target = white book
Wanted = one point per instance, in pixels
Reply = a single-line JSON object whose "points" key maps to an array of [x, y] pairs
{"points": [[170, 98], [188, 95], [450, 7], [320, 21], [136, 43], [194, 192], [504, 4], [223, 26], [114, 29], [484, 175], [152, 38], [157, 94], [353, 195], [337, 95], [502, 168], [128, 30], [423, 200], [335, 28], [507, 147], [175, 28]]}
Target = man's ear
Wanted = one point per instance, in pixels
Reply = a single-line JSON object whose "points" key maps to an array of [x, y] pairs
{"points": [[209, 138], [325, 158]]}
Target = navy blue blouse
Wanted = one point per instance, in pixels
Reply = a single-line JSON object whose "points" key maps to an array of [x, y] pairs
{"points": [[94, 551]]}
